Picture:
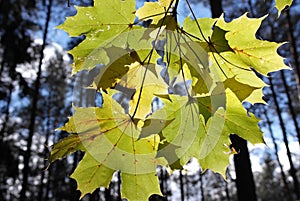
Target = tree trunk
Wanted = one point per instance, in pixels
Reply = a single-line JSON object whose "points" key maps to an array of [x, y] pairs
{"points": [[7, 113], [45, 151], [244, 177], [201, 186], [290, 105], [181, 185], [216, 8], [107, 194], [286, 143], [119, 186], [226, 187], [293, 50], [31, 128], [187, 188], [284, 179]]}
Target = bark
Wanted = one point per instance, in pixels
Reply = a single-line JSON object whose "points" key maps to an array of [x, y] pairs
{"points": [[41, 194], [27, 154], [293, 50], [294, 53], [285, 140], [201, 186], [107, 194], [95, 196], [187, 188], [6, 112], [119, 186], [290, 104], [73, 186], [216, 8], [227, 189], [244, 177], [181, 185], [163, 181]]}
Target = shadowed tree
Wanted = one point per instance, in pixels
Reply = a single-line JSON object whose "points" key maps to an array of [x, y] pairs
{"points": [[27, 154]]}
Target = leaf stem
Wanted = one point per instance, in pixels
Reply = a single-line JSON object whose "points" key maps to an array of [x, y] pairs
{"points": [[198, 25], [149, 59], [181, 64]]}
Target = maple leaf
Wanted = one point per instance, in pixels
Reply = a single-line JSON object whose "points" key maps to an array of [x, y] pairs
{"points": [[238, 52], [200, 127], [90, 175], [282, 4], [99, 24], [153, 10], [233, 119], [124, 50], [258, 54], [65, 147], [111, 141], [206, 28], [145, 79], [139, 187], [182, 117]]}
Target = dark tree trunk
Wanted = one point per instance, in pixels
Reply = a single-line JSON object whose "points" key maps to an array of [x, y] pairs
{"points": [[216, 8], [6, 112], [181, 185], [244, 177], [293, 50], [226, 187], [73, 186], [285, 140], [187, 188], [95, 196], [290, 104], [27, 155], [201, 186], [107, 194], [284, 179], [42, 190], [119, 186]]}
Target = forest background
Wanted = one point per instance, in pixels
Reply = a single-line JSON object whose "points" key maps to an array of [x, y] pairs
{"points": [[36, 92]]}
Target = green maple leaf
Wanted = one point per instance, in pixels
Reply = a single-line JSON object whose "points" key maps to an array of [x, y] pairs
{"points": [[213, 134], [153, 10], [206, 25], [182, 114], [90, 175], [258, 54], [282, 4], [242, 91], [99, 24], [237, 77], [145, 79], [111, 140], [205, 138], [234, 51], [139, 187], [124, 50], [65, 147], [114, 70], [235, 119]]}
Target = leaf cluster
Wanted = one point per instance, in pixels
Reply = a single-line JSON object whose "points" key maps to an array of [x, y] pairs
{"points": [[198, 73]]}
